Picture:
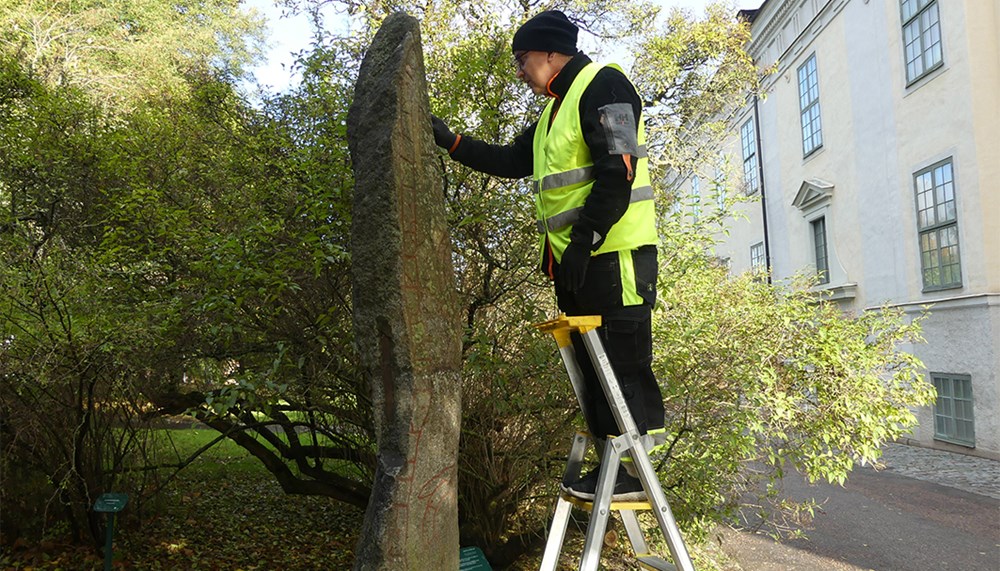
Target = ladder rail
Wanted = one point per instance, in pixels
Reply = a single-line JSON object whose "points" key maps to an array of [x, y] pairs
{"points": [[557, 534], [568, 354], [560, 521], [609, 382], [601, 510]]}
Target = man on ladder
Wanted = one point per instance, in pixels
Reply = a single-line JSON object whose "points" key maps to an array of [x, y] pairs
{"points": [[597, 230]]}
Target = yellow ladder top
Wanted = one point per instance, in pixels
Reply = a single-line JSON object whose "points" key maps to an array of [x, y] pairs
{"points": [[562, 326]]}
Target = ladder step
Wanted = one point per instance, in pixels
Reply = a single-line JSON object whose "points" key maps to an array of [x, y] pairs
{"points": [[657, 563], [615, 506]]}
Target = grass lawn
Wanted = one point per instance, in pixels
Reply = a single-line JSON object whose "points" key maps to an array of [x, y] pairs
{"points": [[223, 512]]}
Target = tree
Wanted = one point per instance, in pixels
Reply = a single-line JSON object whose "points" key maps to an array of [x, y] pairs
{"points": [[694, 75], [71, 404], [182, 257], [125, 50]]}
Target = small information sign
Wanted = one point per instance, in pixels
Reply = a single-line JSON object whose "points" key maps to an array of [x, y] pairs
{"points": [[111, 503], [472, 559]]}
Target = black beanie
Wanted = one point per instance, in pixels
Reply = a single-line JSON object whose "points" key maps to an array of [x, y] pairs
{"points": [[550, 31]]}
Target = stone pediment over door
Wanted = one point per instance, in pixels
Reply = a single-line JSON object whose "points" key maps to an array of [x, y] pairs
{"points": [[813, 193]]}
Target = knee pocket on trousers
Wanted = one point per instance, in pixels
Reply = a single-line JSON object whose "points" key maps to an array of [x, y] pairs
{"points": [[622, 326], [625, 343]]}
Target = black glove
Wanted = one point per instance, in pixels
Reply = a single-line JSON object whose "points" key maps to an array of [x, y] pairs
{"points": [[573, 267], [443, 137]]}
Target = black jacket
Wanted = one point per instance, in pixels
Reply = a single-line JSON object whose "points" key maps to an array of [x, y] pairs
{"points": [[610, 195]]}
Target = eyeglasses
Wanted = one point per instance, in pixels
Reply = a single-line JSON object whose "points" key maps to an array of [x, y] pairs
{"points": [[519, 59]]}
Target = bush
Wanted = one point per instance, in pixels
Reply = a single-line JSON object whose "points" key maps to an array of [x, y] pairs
{"points": [[764, 379]]}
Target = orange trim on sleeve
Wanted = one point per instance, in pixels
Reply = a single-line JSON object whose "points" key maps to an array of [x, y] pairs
{"points": [[629, 173], [455, 144]]}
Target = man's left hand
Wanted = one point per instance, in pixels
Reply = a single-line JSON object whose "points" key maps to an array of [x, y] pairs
{"points": [[573, 267], [443, 137]]}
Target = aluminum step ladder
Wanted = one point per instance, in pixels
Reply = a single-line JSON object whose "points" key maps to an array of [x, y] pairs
{"points": [[629, 443]]}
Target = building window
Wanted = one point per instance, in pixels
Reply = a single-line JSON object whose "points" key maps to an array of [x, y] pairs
{"points": [[937, 223], [819, 247], [758, 263], [696, 198], [812, 129], [749, 139], [921, 37], [953, 412], [720, 189]]}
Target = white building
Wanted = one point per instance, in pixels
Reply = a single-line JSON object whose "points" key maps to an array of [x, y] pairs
{"points": [[876, 155]]}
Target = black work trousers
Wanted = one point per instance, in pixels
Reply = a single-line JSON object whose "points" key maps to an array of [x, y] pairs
{"points": [[626, 332]]}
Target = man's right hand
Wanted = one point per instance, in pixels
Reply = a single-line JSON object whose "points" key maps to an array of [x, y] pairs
{"points": [[443, 137], [573, 266]]}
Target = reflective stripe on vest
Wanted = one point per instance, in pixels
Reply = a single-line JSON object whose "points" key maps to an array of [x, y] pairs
{"points": [[582, 174], [569, 217], [563, 178]]}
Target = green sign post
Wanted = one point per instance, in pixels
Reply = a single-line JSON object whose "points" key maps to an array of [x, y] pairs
{"points": [[110, 504]]}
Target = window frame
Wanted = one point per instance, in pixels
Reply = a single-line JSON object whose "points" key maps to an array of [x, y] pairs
{"points": [[822, 269], [915, 21], [696, 198], [943, 413], [937, 228], [748, 136], [758, 258], [815, 120], [720, 189]]}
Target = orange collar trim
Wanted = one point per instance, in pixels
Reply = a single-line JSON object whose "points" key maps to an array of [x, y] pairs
{"points": [[548, 86]]}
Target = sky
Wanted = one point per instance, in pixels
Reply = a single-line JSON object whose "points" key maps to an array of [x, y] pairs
{"points": [[288, 36]]}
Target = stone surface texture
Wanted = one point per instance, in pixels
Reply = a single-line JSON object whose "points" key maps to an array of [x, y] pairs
{"points": [[406, 317]]}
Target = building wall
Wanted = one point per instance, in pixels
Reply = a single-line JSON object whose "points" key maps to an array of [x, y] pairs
{"points": [[958, 335], [878, 131]]}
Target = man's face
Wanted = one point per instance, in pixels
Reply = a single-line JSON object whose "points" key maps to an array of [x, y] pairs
{"points": [[535, 69]]}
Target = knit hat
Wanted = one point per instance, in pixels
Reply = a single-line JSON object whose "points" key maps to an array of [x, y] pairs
{"points": [[549, 31]]}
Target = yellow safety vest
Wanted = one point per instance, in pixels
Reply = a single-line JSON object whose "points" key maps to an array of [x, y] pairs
{"points": [[564, 175]]}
